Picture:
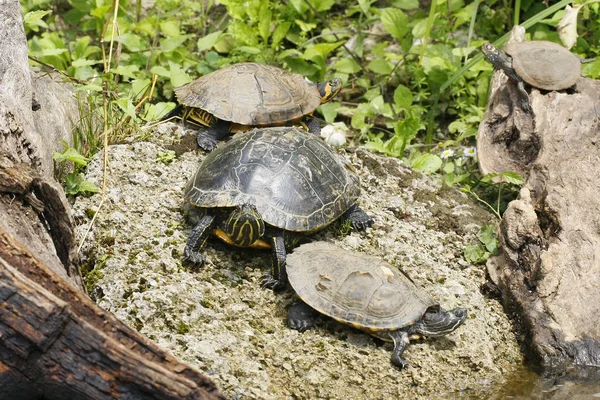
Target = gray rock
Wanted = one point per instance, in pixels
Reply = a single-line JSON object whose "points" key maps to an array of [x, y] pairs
{"points": [[218, 318]]}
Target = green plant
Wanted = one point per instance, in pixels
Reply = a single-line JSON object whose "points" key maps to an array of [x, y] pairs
{"points": [[486, 246], [75, 183]]}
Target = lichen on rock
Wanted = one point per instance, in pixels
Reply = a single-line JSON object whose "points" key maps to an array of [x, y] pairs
{"points": [[218, 319]]}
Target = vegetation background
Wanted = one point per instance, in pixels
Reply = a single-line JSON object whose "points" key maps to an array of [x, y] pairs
{"points": [[415, 81]]}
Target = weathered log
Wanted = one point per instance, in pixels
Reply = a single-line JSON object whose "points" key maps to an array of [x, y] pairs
{"points": [[56, 343], [549, 269], [33, 207]]}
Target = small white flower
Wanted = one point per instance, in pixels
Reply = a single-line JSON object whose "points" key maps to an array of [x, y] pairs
{"points": [[469, 152], [335, 134], [447, 154]]}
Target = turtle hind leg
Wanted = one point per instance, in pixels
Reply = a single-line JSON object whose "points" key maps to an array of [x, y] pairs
{"points": [[210, 137], [197, 240], [359, 219], [301, 316], [278, 280], [401, 340]]}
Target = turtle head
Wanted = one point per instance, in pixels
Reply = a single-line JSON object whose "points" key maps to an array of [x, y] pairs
{"points": [[328, 90], [497, 57], [244, 225], [438, 322]]}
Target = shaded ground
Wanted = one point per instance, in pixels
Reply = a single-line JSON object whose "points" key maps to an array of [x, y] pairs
{"points": [[220, 320]]}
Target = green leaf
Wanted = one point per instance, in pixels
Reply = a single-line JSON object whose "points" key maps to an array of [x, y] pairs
{"points": [[512, 177], [130, 71], [170, 28], [83, 62], [305, 26], [405, 4], [403, 97], [34, 16], [138, 87], [279, 33], [250, 50], [80, 48], [487, 236], [126, 105], [178, 76], [475, 254], [380, 66], [329, 111], [395, 22], [53, 52], [130, 41], [321, 50], [208, 41], [323, 5], [347, 65], [76, 184], [264, 22], [426, 163], [160, 71], [71, 154], [172, 43]]}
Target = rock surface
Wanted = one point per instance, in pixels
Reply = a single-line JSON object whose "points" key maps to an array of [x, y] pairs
{"points": [[218, 318], [549, 266]]}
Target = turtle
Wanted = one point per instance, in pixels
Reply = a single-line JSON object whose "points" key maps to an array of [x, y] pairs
{"points": [[541, 64], [366, 293], [246, 95], [266, 188]]}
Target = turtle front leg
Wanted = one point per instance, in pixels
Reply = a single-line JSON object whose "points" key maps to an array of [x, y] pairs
{"points": [[525, 102], [197, 240], [359, 219], [401, 341], [313, 125], [210, 137], [278, 278], [301, 316]]}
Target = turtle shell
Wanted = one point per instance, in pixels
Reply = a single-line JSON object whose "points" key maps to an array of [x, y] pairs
{"points": [[354, 288], [545, 65], [251, 94], [295, 180]]}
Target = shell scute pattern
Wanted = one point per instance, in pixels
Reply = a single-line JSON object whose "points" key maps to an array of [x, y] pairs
{"points": [[273, 95], [545, 65], [295, 182], [356, 289]]}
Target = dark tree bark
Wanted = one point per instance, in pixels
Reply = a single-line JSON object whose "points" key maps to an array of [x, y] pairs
{"points": [[57, 344]]}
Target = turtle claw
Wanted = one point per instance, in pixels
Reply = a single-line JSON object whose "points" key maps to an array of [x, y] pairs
{"points": [[363, 224], [271, 283], [400, 363], [194, 257], [206, 142], [299, 325]]}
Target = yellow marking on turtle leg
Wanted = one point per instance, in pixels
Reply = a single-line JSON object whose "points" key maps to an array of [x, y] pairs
{"points": [[259, 244]]}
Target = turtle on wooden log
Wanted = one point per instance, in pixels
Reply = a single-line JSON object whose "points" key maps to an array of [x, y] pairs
{"points": [[548, 269]]}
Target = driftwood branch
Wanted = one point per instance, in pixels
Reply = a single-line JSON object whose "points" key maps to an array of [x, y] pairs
{"points": [[57, 344]]}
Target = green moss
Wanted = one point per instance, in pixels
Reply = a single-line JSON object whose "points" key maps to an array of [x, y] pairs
{"points": [[183, 328], [91, 279]]}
